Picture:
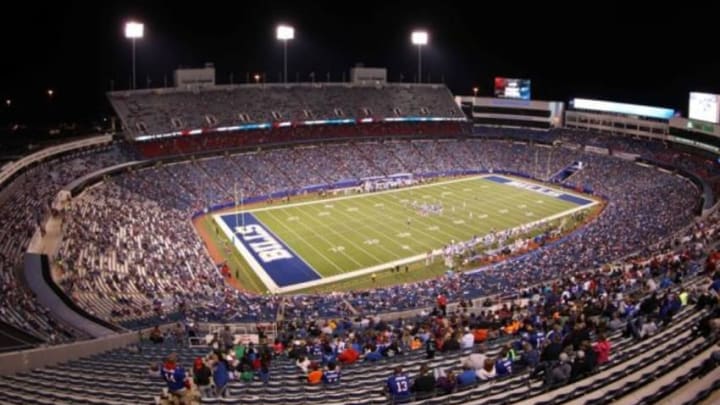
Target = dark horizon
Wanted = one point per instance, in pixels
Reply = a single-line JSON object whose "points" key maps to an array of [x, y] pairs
{"points": [[77, 49]]}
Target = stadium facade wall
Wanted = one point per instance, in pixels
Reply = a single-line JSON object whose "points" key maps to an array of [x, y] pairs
{"points": [[13, 169], [38, 278], [512, 113], [295, 135], [27, 360]]}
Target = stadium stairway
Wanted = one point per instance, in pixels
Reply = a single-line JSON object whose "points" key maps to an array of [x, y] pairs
{"points": [[261, 188], [366, 155]]}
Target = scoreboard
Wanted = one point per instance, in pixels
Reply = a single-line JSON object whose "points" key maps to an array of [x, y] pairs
{"points": [[512, 88], [704, 107]]}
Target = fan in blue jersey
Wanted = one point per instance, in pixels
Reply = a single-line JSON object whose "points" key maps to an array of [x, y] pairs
{"points": [[537, 338], [503, 366], [174, 376], [328, 355], [398, 384], [317, 349], [221, 374], [331, 374]]}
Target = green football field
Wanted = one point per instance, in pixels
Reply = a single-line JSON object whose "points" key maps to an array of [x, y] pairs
{"points": [[360, 233]]}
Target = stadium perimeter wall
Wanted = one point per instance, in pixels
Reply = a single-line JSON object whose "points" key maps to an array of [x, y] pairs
{"points": [[27, 360]]}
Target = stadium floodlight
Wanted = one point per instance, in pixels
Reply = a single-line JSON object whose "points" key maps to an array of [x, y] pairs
{"points": [[50, 93], [257, 78], [133, 31], [419, 38], [285, 33], [8, 102], [475, 91]]}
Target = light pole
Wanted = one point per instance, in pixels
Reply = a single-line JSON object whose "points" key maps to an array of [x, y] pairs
{"points": [[419, 38], [50, 109], [133, 31], [475, 91], [284, 33]]}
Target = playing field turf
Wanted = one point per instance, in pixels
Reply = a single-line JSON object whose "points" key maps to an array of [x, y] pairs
{"points": [[332, 239]]}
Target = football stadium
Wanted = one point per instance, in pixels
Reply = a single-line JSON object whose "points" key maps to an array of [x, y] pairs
{"points": [[359, 240]]}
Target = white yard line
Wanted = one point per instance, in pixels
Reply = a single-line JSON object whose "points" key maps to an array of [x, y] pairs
{"points": [[309, 244], [351, 242], [372, 224], [495, 205], [420, 220], [318, 235]]}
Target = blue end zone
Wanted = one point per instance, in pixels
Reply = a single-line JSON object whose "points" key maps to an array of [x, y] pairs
{"points": [[540, 189], [276, 258], [498, 179], [574, 199]]}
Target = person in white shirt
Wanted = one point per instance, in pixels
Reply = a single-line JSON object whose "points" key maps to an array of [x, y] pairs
{"points": [[339, 345], [467, 340], [475, 360], [303, 362], [487, 372], [649, 328]]}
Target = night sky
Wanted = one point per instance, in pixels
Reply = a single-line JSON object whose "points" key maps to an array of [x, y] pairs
{"points": [[599, 50]]}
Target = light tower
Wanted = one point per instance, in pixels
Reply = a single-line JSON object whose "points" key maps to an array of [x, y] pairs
{"points": [[285, 33], [133, 31], [419, 38]]}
